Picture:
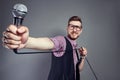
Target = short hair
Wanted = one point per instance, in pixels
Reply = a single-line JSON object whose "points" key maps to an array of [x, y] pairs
{"points": [[74, 18]]}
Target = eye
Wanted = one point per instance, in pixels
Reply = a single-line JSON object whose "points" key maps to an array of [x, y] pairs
{"points": [[71, 26]]}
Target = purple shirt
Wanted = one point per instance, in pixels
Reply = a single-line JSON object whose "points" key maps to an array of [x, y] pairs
{"points": [[60, 45]]}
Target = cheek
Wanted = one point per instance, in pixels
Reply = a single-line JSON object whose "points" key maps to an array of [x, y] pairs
{"points": [[79, 33], [69, 31]]}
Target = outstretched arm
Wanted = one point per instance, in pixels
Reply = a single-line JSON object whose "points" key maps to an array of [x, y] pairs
{"points": [[43, 43], [18, 38]]}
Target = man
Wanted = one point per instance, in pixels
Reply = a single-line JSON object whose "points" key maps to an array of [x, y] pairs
{"points": [[65, 64]]}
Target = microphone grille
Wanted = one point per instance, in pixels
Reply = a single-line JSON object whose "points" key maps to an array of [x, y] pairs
{"points": [[19, 10], [20, 7]]}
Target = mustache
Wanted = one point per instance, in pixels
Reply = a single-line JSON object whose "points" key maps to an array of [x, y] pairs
{"points": [[74, 32]]}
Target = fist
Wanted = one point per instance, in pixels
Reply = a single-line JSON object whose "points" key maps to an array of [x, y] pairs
{"points": [[83, 51], [15, 37]]}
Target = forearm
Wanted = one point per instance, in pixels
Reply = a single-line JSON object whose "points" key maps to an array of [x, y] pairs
{"points": [[83, 53], [81, 64], [39, 43]]}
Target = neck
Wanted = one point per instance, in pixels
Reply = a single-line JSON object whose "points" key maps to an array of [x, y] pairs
{"points": [[70, 38]]}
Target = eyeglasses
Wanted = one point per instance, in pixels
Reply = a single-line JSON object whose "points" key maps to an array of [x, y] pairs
{"points": [[71, 26]]}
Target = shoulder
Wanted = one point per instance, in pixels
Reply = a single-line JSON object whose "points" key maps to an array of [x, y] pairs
{"points": [[59, 45], [58, 39]]}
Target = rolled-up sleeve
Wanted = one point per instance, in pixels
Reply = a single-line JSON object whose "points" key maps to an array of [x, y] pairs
{"points": [[59, 46]]}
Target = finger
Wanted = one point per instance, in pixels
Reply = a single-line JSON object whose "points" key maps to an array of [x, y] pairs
{"points": [[3, 40], [9, 35], [10, 41], [5, 35], [81, 48], [83, 51], [12, 29], [10, 46], [4, 45]]}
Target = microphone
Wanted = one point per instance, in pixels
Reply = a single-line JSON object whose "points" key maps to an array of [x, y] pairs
{"points": [[19, 12]]}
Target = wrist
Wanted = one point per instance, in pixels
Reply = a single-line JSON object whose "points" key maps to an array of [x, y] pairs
{"points": [[83, 57]]}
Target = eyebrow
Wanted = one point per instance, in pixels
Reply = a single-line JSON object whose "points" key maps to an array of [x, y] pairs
{"points": [[75, 25]]}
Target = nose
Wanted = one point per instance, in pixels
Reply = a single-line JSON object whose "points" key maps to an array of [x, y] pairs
{"points": [[74, 29]]}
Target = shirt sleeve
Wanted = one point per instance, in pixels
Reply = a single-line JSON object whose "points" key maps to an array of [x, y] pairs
{"points": [[59, 46]]}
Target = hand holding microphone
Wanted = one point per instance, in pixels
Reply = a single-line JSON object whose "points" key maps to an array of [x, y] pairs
{"points": [[16, 35], [83, 52], [14, 38]]}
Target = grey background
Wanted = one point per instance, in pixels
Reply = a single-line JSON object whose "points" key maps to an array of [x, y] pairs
{"points": [[49, 18]]}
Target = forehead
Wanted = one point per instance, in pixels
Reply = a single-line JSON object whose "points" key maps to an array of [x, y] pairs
{"points": [[77, 23]]}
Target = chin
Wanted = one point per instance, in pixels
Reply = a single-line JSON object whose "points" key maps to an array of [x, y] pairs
{"points": [[73, 37]]}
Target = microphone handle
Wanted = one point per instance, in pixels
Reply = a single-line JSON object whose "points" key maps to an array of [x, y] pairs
{"points": [[17, 21]]}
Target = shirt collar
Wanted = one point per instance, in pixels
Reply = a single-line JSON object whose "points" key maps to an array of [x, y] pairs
{"points": [[73, 42]]}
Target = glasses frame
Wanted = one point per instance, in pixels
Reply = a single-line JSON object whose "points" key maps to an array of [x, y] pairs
{"points": [[72, 27]]}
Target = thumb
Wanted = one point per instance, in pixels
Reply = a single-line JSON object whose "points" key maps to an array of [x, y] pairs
{"points": [[24, 33], [21, 30]]}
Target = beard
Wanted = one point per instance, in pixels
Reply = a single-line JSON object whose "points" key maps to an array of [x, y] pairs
{"points": [[72, 37]]}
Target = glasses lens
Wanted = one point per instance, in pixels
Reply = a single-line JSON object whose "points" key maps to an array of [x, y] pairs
{"points": [[74, 26]]}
